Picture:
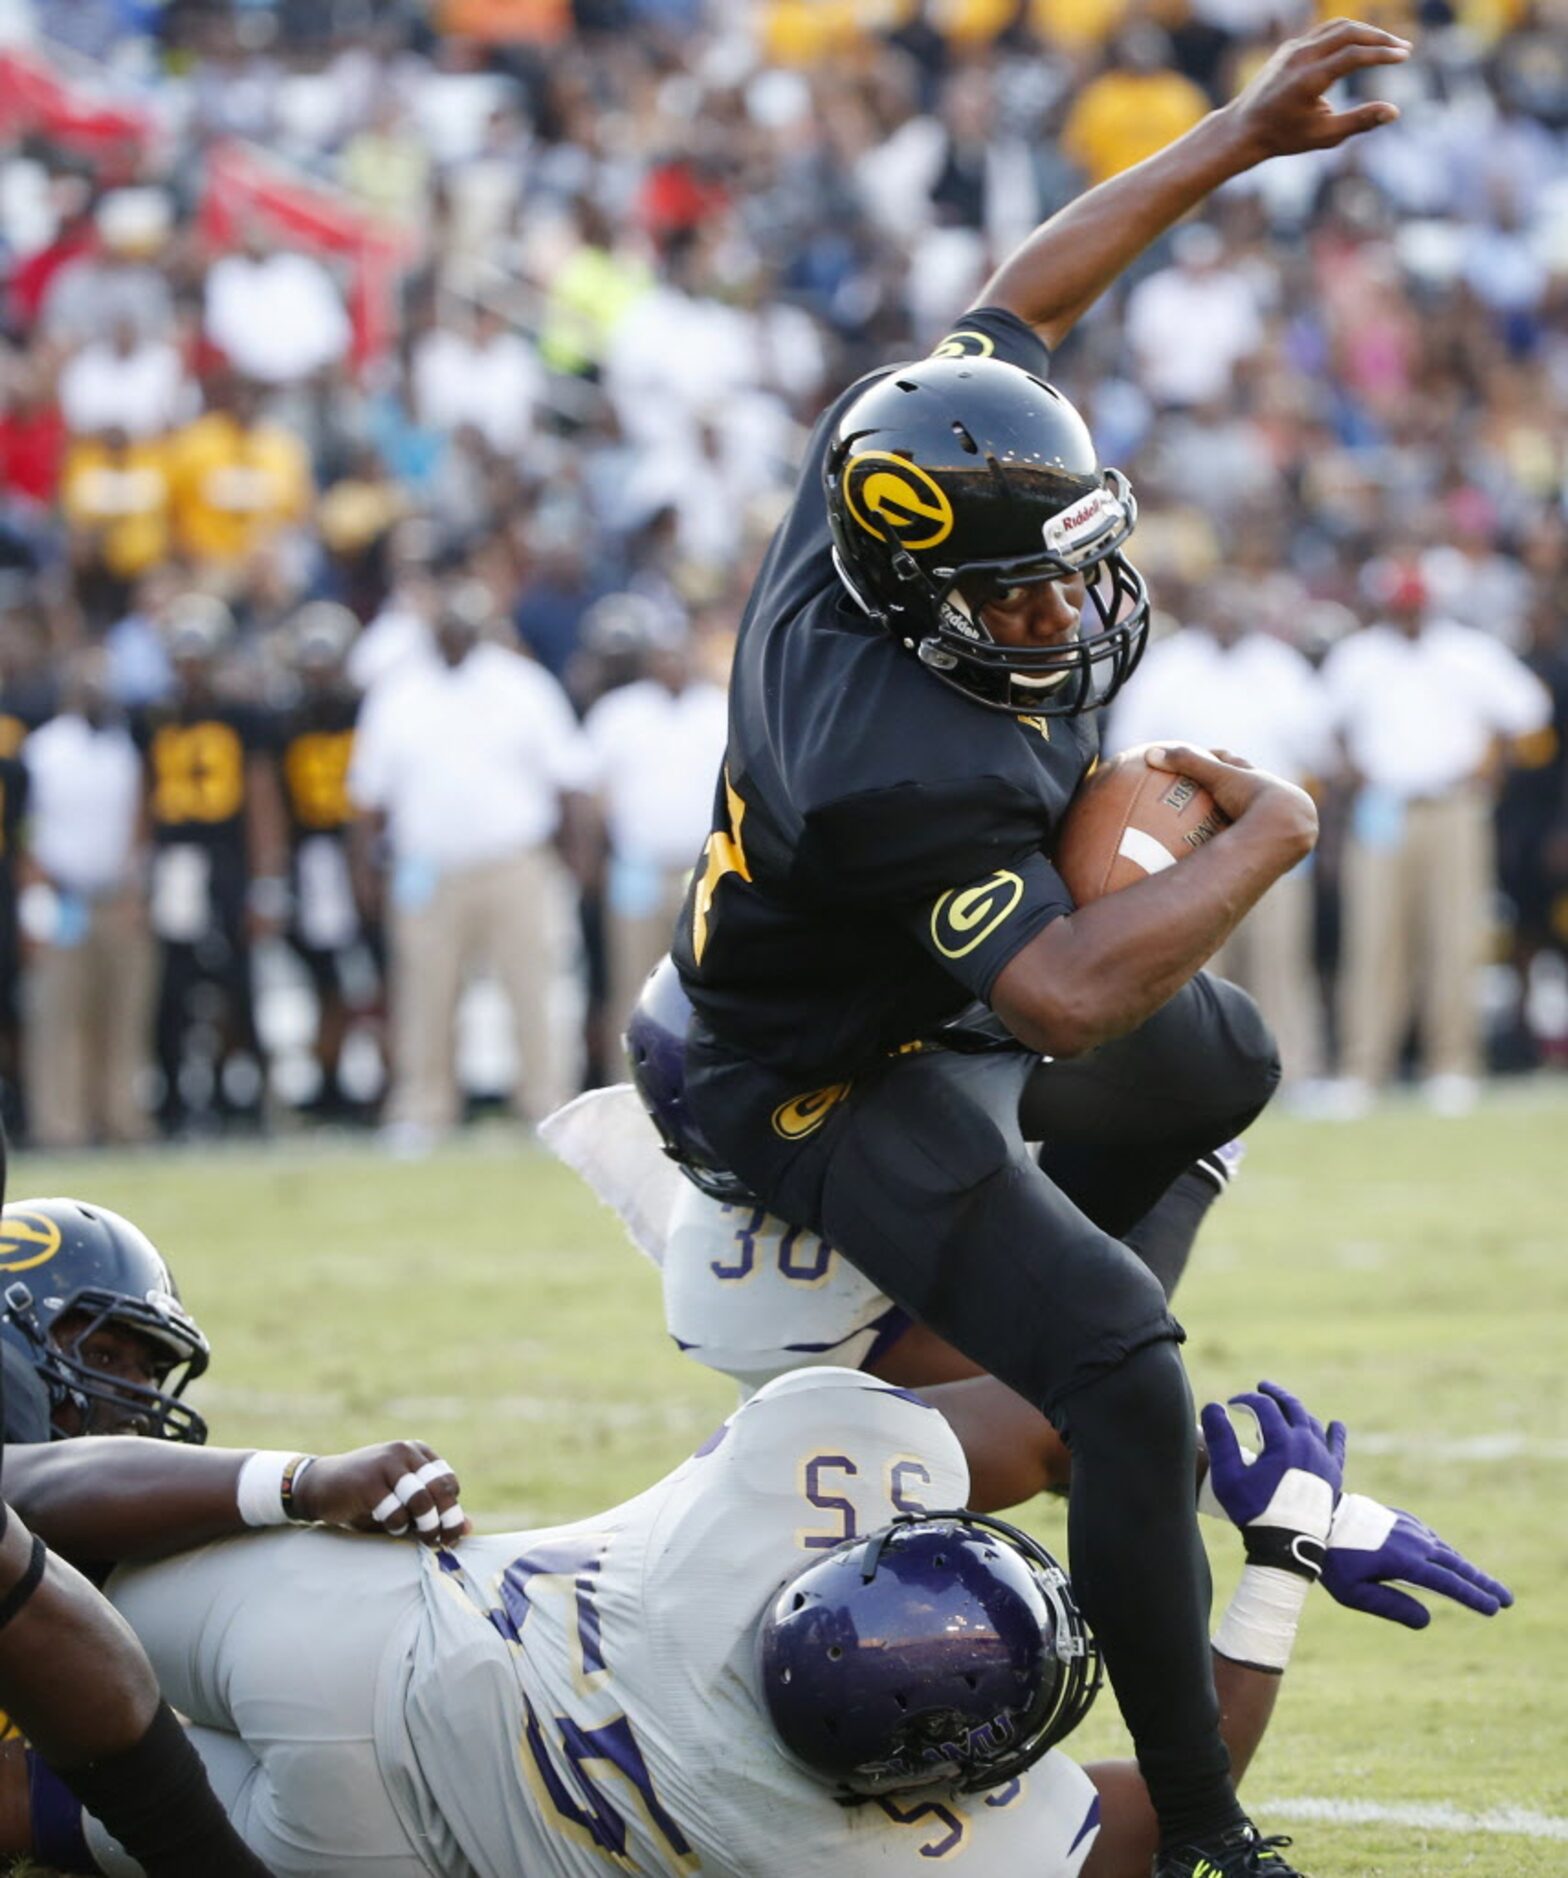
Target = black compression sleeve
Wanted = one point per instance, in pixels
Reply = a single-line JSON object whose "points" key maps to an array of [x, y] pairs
{"points": [[155, 1800]]}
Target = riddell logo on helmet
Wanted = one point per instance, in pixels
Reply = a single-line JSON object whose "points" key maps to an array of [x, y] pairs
{"points": [[1086, 522]]}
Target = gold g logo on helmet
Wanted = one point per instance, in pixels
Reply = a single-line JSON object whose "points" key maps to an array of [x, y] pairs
{"points": [[966, 917], [893, 499], [26, 1239]]}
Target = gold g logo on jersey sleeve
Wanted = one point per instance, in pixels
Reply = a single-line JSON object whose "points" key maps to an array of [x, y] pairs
{"points": [[27, 1239], [893, 499], [804, 1115], [965, 344], [965, 917]]}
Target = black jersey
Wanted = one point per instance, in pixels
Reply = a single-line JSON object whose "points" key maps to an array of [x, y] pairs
{"points": [[196, 757], [315, 743], [879, 844]]}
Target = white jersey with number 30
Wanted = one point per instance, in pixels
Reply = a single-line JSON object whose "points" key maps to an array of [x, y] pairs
{"points": [[583, 1699]]}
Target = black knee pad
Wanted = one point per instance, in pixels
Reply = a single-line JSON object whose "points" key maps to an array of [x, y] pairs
{"points": [[1246, 1055], [1144, 1402]]}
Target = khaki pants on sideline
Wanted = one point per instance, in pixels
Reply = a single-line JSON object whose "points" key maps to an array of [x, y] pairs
{"points": [[1416, 918], [1270, 955], [635, 946], [501, 914], [89, 1012]]}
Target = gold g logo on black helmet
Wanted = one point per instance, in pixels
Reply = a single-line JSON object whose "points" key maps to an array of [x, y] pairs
{"points": [[894, 499], [26, 1239]]}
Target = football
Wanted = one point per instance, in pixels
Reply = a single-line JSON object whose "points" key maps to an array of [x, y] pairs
{"points": [[1128, 821]]}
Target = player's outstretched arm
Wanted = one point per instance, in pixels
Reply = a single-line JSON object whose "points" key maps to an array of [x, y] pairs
{"points": [[114, 1497], [1062, 269]]}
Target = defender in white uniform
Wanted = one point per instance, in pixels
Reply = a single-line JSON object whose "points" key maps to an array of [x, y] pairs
{"points": [[593, 1698], [744, 1292], [579, 1699]]}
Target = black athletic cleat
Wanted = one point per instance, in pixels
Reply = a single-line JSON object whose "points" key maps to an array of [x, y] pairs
{"points": [[1237, 1853]]}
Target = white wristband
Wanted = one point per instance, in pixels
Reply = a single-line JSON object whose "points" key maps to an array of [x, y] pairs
{"points": [[259, 1489], [1258, 1629]]}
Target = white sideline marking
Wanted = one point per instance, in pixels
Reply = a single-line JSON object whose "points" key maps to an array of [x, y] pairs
{"points": [[1496, 1447], [1517, 1820]]}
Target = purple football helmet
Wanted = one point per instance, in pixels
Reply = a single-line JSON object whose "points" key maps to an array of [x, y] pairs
{"points": [[656, 1049], [944, 1650]]}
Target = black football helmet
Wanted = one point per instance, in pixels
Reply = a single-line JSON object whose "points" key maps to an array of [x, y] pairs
{"points": [[68, 1269], [950, 482], [944, 1651]]}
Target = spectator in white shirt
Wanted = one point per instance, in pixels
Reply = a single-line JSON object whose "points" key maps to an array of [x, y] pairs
{"points": [[1422, 706], [487, 376], [126, 382], [84, 921], [657, 747], [1231, 684], [1192, 324], [277, 315], [470, 767]]}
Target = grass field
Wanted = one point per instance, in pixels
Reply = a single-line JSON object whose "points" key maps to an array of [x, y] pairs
{"points": [[1408, 1274]]}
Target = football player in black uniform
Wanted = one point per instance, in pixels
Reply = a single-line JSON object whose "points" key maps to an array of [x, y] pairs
{"points": [[217, 868], [315, 740], [912, 707]]}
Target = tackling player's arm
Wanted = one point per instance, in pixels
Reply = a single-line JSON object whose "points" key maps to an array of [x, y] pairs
{"points": [[1064, 267], [1101, 971], [116, 1497]]}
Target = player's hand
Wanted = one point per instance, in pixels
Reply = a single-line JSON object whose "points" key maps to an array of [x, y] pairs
{"points": [[1282, 1498], [396, 1487], [1239, 790], [1283, 110], [1369, 1545]]}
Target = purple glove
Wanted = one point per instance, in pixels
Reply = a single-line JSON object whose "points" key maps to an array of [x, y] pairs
{"points": [[1369, 1544], [1283, 1499]]}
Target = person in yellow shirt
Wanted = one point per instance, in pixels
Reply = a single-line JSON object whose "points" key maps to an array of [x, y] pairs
{"points": [[1136, 106], [114, 492], [237, 479], [1076, 25]]}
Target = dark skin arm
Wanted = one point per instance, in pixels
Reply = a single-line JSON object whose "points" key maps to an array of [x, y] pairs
{"points": [[580, 837], [266, 842], [121, 1497], [65, 1639], [1053, 279], [1104, 969], [365, 835]]}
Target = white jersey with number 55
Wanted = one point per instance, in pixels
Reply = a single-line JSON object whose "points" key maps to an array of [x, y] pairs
{"points": [[583, 1699]]}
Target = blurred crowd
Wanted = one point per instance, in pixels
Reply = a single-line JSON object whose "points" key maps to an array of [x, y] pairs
{"points": [[396, 400]]}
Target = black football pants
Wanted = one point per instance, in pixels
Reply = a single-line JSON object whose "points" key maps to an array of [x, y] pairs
{"points": [[922, 1177]]}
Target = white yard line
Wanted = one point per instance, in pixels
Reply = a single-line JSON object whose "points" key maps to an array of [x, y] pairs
{"points": [[1502, 1446], [1434, 1817]]}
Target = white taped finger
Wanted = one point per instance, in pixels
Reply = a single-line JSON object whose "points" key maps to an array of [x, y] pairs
{"points": [[433, 1470], [453, 1516], [407, 1487], [383, 1509], [427, 1521]]}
